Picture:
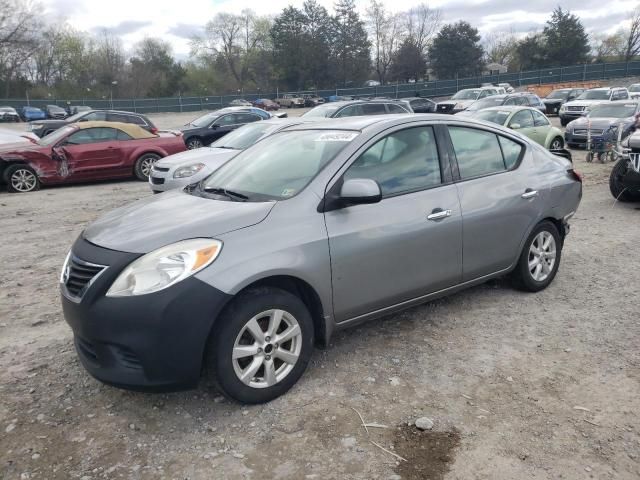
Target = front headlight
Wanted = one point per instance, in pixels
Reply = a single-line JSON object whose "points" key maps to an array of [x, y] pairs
{"points": [[459, 106], [188, 171], [164, 267]]}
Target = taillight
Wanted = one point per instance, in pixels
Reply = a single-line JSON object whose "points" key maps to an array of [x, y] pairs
{"points": [[577, 176], [154, 130]]}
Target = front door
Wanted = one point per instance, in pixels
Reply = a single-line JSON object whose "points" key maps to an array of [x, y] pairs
{"points": [[405, 246], [500, 196], [92, 153]]}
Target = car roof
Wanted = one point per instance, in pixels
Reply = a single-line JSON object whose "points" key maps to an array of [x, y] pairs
{"points": [[130, 129]]}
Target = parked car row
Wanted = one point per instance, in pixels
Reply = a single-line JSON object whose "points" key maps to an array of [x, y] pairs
{"points": [[28, 113]]}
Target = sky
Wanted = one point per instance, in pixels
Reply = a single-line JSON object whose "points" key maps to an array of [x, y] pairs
{"points": [[177, 23]]}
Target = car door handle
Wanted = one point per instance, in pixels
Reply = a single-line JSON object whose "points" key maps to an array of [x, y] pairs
{"points": [[528, 193], [438, 214]]}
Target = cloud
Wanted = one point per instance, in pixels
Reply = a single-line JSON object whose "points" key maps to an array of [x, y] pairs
{"points": [[126, 27], [186, 30]]}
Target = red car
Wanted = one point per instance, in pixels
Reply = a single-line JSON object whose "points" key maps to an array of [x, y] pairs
{"points": [[266, 104], [85, 151]]}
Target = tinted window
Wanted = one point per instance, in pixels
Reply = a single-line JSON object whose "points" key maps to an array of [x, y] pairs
{"points": [[92, 135], [522, 101], [397, 108], [522, 118], [510, 150], [118, 117], [400, 162], [135, 120], [533, 101], [477, 151], [539, 120], [226, 120], [95, 116], [351, 111], [245, 118], [373, 109]]}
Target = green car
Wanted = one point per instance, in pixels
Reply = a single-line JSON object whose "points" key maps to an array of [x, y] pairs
{"points": [[527, 121]]}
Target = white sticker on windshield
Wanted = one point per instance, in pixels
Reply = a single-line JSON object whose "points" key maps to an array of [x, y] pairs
{"points": [[504, 112], [288, 192], [337, 137]]}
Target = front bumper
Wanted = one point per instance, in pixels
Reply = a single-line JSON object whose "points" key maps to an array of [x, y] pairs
{"points": [[569, 116], [152, 342], [552, 108], [162, 181]]}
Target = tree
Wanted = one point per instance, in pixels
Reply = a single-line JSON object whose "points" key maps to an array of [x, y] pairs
{"points": [[530, 53], [421, 23], [385, 29], [408, 62], [566, 42], [632, 43], [456, 51], [351, 47], [608, 47], [289, 46], [500, 47], [154, 72], [317, 30]]}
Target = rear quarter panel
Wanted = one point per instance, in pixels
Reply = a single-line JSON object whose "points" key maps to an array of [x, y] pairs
{"points": [[163, 145]]}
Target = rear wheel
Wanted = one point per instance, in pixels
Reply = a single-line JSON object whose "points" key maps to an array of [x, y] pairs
{"points": [[142, 168], [21, 179], [261, 345], [194, 142], [540, 258], [616, 184], [556, 144]]}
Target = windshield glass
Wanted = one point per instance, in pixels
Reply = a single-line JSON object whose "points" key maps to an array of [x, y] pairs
{"points": [[493, 116], [55, 137], [75, 117], [244, 137], [595, 95], [559, 94], [469, 94], [486, 103], [281, 166], [635, 87], [613, 111], [322, 111], [205, 120]]}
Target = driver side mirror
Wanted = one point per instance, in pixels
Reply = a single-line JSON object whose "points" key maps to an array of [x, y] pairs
{"points": [[515, 126], [214, 126], [357, 191]]}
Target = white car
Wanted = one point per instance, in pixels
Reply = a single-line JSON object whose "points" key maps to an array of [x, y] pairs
{"points": [[12, 136], [465, 98], [634, 90], [580, 106], [187, 168]]}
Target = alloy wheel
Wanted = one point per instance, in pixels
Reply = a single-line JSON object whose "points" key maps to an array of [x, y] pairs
{"points": [[194, 143], [23, 180], [542, 256], [267, 348], [147, 164], [556, 144]]}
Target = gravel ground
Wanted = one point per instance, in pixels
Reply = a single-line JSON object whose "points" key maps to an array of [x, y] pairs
{"points": [[517, 385]]}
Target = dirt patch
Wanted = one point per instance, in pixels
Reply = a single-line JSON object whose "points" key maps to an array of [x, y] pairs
{"points": [[429, 453]]}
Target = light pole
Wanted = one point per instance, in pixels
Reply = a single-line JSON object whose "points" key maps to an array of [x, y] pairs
{"points": [[113, 84]]}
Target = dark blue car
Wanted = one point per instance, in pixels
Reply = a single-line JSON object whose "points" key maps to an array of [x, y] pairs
{"points": [[32, 113]]}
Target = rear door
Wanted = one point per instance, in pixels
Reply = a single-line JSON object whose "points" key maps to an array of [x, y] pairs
{"points": [[500, 196], [92, 153], [407, 245]]}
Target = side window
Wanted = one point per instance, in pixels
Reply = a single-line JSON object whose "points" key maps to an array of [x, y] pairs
{"points": [[483, 94], [539, 120], [94, 116], [523, 119], [477, 151], [136, 120], [393, 108], [118, 117], [623, 95], [401, 162], [92, 135], [122, 135], [510, 101], [350, 111], [511, 151], [226, 120], [246, 118], [522, 101], [373, 109]]}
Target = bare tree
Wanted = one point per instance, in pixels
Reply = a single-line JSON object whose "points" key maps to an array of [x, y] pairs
{"points": [[385, 29], [500, 46], [632, 47], [608, 47], [421, 23]]}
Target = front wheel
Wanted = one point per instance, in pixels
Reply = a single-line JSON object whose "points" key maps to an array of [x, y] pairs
{"points": [[556, 144], [142, 168], [194, 142], [21, 179], [260, 346], [540, 258]]}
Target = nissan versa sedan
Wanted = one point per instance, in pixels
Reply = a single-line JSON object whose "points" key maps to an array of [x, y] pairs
{"points": [[311, 230]]}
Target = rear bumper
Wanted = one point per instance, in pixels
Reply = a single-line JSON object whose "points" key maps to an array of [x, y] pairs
{"points": [[152, 342]]}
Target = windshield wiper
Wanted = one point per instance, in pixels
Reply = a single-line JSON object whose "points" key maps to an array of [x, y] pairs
{"points": [[227, 193], [224, 146]]}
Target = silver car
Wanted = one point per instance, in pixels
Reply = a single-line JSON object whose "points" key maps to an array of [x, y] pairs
{"points": [[314, 229], [186, 168]]}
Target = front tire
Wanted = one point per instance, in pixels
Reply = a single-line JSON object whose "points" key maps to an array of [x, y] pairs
{"points": [[21, 179], [540, 258], [194, 142], [261, 345], [616, 185], [142, 168], [556, 144]]}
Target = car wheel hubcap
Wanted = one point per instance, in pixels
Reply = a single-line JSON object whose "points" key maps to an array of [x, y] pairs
{"points": [[267, 348], [556, 145], [194, 144], [23, 180], [147, 164], [542, 256]]}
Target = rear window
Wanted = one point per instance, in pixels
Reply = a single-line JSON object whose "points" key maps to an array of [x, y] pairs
{"points": [[478, 152]]}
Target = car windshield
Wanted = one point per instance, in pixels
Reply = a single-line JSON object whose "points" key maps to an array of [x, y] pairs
{"points": [[486, 103], [55, 108], [595, 95], [635, 88], [624, 110], [6, 109], [244, 136], [279, 168], [323, 111], [469, 94], [493, 116], [56, 136], [205, 120], [559, 94]]}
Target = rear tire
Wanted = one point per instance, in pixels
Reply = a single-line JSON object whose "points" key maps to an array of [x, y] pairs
{"points": [[616, 186], [539, 260], [142, 168], [556, 144], [21, 179], [270, 368]]}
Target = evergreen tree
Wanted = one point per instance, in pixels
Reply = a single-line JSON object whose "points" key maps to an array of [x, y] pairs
{"points": [[456, 50], [351, 47], [408, 62], [566, 42]]}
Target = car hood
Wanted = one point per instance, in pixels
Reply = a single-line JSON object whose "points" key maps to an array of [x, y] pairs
{"points": [[172, 216], [18, 148], [209, 156], [598, 123]]}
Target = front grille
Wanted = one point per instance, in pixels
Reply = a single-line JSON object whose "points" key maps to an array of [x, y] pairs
{"points": [[79, 274], [583, 132], [575, 109], [445, 108], [160, 169], [156, 180], [127, 358]]}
